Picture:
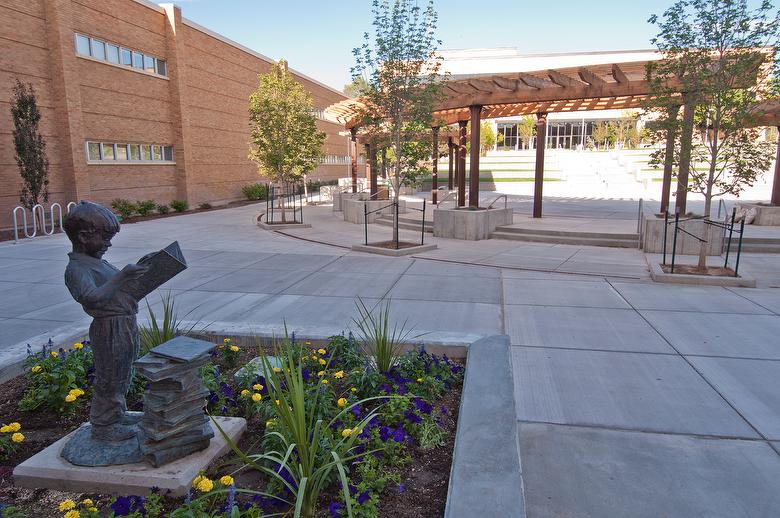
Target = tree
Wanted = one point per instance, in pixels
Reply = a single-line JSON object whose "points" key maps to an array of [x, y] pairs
{"points": [[400, 67], [285, 138], [356, 88], [526, 129], [603, 133], [719, 53], [29, 146], [487, 138]]}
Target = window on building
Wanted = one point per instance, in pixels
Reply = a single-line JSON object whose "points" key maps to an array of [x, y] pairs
{"points": [[93, 151], [156, 153], [108, 152], [149, 64], [82, 45], [135, 152], [138, 60], [162, 67], [98, 49], [168, 153], [127, 57], [112, 53], [121, 151], [146, 152]]}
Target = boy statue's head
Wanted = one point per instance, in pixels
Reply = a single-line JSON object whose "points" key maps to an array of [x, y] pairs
{"points": [[90, 227]]}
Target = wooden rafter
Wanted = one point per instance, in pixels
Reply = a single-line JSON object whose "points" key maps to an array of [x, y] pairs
{"points": [[562, 79], [590, 77], [536, 82], [618, 74]]}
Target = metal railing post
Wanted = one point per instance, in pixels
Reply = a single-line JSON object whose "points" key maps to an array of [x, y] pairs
{"points": [[674, 243], [397, 230], [731, 233], [739, 246], [666, 226], [365, 220], [422, 231]]}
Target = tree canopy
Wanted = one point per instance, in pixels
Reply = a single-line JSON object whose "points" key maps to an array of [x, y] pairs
{"points": [[29, 146]]}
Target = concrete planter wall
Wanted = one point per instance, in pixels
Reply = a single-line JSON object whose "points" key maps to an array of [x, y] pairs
{"points": [[765, 214], [354, 209], [653, 237], [471, 225]]}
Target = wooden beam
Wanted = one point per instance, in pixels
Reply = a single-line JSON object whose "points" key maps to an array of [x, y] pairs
{"points": [[460, 87], [590, 78], [562, 79], [618, 74], [508, 84], [536, 82], [482, 86]]}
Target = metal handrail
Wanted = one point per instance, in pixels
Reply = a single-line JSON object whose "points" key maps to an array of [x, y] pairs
{"points": [[721, 204], [639, 213], [447, 197], [490, 205]]}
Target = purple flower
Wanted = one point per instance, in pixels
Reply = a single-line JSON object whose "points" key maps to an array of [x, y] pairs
{"points": [[401, 488], [399, 435], [412, 417], [335, 509], [422, 405], [306, 374], [384, 433], [124, 505], [387, 389], [356, 410], [402, 389], [213, 398], [362, 497]]}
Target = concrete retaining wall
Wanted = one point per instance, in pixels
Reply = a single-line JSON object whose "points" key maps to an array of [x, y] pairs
{"points": [[653, 237], [471, 225], [354, 209]]}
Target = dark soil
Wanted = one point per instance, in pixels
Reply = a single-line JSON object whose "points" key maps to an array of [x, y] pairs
{"points": [[423, 492], [690, 269]]}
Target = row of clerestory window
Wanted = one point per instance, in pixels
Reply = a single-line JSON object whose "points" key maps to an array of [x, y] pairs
{"points": [[113, 152], [118, 55]]}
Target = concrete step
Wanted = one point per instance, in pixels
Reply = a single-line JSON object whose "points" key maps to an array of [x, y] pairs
{"points": [[757, 248], [568, 240], [405, 223], [759, 240], [566, 233]]}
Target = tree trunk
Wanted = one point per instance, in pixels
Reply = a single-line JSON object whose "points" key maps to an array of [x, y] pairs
{"points": [[397, 173], [702, 266]]}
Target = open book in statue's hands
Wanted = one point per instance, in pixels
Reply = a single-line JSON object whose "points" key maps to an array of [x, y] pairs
{"points": [[161, 266]]}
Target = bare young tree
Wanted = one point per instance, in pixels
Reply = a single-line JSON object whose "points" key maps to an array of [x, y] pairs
{"points": [[29, 146]]}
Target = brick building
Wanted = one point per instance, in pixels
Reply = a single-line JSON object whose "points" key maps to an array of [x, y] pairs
{"points": [[137, 102]]}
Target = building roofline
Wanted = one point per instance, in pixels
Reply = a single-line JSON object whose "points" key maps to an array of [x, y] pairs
{"points": [[543, 55]]}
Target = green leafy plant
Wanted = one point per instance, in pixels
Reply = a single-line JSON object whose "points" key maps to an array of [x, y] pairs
{"points": [[381, 344], [204, 206], [180, 205], [145, 207], [58, 380], [163, 209], [230, 353], [10, 438], [123, 207], [255, 191]]}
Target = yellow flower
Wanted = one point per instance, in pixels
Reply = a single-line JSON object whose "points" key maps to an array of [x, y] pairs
{"points": [[257, 397], [245, 392], [324, 382], [67, 505], [258, 387], [72, 514], [78, 345], [346, 432], [321, 373], [277, 402], [419, 380], [270, 423], [202, 484], [14, 427], [307, 342], [70, 398], [321, 351], [4, 429], [227, 480], [341, 402], [235, 348], [226, 340], [339, 375], [277, 369], [353, 389], [87, 502], [17, 437], [36, 369], [54, 354], [76, 392], [92, 509], [322, 361]]}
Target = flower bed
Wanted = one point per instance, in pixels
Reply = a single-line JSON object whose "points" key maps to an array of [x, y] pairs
{"points": [[391, 433]]}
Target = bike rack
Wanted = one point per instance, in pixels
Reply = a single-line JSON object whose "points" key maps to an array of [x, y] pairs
{"points": [[39, 211]]}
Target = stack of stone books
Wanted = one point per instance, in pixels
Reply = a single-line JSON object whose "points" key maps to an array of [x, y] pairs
{"points": [[174, 423]]}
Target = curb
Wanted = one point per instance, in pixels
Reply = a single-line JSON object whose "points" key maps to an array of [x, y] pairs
{"points": [[485, 478]]}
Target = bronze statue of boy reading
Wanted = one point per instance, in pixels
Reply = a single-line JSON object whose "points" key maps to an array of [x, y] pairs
{"points": [[98, 287]]}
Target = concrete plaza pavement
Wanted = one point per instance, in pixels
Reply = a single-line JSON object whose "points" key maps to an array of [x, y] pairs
{"points": [[632, 398]]}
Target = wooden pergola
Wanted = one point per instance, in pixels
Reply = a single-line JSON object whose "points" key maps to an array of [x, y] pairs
{"points": [[584, 88]]}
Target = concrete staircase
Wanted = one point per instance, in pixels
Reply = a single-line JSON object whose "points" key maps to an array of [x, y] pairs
{"points": [[628, 240], [757, 245], [407, 223]]}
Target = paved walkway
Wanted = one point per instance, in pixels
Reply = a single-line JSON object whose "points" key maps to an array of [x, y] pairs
{"points": [[633, 398]]}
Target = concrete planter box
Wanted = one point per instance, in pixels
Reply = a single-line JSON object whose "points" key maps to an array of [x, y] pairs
{"points": [[766, 215], [658, 275], [471, 225], [653, 237], [354, 209], [393, 252]]}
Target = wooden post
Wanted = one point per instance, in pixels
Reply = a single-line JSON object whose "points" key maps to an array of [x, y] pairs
{"points": [[776, 183], [450, 145], [475, 112], [371, 152], [671, 134], [435, 165], [353, 152], [541, 140], [462, 164], [686, 145]]}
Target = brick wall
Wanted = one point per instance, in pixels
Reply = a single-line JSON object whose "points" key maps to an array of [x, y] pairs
{"points": [[201, 108]]}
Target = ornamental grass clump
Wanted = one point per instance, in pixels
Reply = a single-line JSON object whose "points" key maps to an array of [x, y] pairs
{"points": [[304, 454], [59, 380], [381, 345], [157, 332]]}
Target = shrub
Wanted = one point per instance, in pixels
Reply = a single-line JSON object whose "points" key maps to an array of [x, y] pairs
{"points": [[204, 206], [145, 207], [179, 205], [255, 191], [59, 380], [10, 438], [125, 208], [163, 209]]}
